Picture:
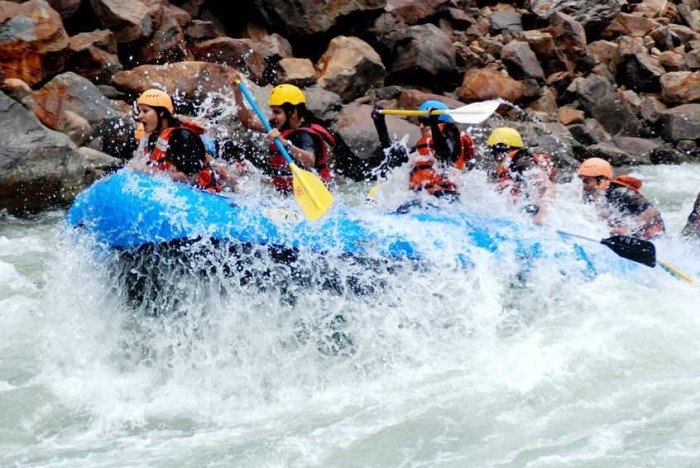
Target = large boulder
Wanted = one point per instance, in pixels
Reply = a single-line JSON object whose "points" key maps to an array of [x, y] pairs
{"points": [[350, 67], [309, 17], [33, 42], [39, 168]]}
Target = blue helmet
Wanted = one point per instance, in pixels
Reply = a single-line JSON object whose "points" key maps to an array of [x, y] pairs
{"points": [[434, 104]]}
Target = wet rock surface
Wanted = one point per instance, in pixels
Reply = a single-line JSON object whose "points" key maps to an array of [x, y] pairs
{"points": [[617, 79]]}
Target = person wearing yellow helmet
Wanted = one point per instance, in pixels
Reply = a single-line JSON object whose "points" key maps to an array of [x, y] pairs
{"points": [[307, 142], [170, 145], [527, 177], [618, 201]]}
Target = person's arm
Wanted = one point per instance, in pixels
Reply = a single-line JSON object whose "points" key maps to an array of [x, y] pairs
{"points": [[442, 148], [246, 116], [544, 193], [302, 149], [380, 126]]}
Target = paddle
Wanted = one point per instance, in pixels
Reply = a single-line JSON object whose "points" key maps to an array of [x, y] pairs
{"points": [[310, 192], [473, 113], [637, 250]]}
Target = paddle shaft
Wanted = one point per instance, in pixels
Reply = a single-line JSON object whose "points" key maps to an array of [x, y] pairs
{"points": [[597, 241], [251, 100]]}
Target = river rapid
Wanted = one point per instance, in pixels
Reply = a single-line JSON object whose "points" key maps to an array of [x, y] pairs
{"points": [[447, 367]]}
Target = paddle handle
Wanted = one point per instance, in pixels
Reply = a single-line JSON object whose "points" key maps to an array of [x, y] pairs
{"points": [[410, 112], [261, 116]]}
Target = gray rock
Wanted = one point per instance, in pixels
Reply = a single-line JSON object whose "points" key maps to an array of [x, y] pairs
{"points": [[39, 168]]}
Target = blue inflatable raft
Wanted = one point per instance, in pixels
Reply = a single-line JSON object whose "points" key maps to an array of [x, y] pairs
{"points": [[128, 210]]}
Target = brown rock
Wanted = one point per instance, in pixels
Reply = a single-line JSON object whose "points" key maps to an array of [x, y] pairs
{"points": [[296, 71], [633, 25], [672, 61], [349, 67], [192, 79], [680, 123], [33, 43], [130, 20], [635, 67], [551, 58], [521, 61], [274, 47], [569, 116], [414, 11], [678, 87], [480, 85], [94, 55], [309, 17], [236, 53], [167, 43], [425, 50], [199, 31], [412, 98]]}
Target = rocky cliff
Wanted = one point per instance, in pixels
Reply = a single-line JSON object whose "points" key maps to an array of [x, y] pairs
{"points": [[615, 78]]}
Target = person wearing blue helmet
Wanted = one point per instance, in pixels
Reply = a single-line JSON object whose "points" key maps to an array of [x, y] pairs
{"points": [[442, 147]]}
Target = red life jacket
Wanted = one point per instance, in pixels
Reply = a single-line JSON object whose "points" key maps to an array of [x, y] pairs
{"points": [[282, 175], [206, 178], [426, 147], [504, 176], [423, 174]]}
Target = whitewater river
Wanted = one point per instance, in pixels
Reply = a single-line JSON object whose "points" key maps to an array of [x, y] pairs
{"points": [[449, 368]]}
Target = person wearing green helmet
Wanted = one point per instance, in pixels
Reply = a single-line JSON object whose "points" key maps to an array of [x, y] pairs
{"points": [[306, 142]]}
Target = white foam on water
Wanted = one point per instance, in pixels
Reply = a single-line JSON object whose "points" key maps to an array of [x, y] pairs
{"points": [[448, 366]]}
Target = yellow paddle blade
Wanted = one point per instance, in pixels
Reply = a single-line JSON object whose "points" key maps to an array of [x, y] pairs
{"points": [[313, 197]]}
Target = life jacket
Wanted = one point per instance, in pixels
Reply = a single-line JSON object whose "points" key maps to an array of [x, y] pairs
{"points": [[651, 229], [425, 177], [282, 175], [628, 181], [426, 147], [506, 180], [206, 177]]}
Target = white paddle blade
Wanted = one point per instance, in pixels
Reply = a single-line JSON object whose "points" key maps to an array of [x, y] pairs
{"points": [[475, 112]]}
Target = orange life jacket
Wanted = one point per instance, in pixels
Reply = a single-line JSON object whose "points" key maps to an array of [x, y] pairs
{"points": [[282, 175], [206, 178], [425, 177], [426, 147], [629, 181], [504, 176]]}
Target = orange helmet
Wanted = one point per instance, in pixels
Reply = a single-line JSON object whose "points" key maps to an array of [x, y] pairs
{"points": [[595, 167], [156, 98]]}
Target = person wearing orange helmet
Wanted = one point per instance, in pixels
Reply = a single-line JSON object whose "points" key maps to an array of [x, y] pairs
{"points": [[618, 202], [691, 230], [170, 145], [528, 178], [306, 142]]}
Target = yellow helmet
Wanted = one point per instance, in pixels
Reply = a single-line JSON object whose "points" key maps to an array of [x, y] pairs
{"points": [[595, 167], [286, 93], [507, 136], [156, 98]]}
